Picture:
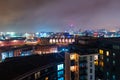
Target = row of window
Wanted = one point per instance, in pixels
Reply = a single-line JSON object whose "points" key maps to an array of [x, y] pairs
{"points": [[112, 61], [107, 53], [108, 75]]}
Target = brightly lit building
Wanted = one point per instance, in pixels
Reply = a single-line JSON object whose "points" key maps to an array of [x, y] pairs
{"points": [[82, 66], [61, 40], [85, 49], [9, 35], [46, 49]]}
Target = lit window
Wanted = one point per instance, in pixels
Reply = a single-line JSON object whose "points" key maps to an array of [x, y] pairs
{"points": [[69, 40], [107, 53], [61, 78], [60, 40], [50, 40], [107, 59], [37, 75], [96, 63], [60, 67], [101, 51], [53, 40], [60, 73], [102, 63], [73, 56], [113, 54], [96, 57], [113, 62], [63, 40], [107, 73], [46, 78], [66, 40], [113, 77], [73, 40], [73, 68], [56, 40], [101, 57]]}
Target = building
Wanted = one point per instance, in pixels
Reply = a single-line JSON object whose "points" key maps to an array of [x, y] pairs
{"points": [[109, 62], [83, 58], [34, 67]]}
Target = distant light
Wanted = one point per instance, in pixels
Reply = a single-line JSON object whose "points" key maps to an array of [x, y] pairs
{"points": [[1, 42], [6, 37], [7, 32], [113, 30], [63, 40], [37, 33], [66, 40], [50, 41], [12, 33], [56, 40], [73, 40], [14, 41], [70, 41], [53, 40], [44, 35], [60, 40], [65, 50], [68, 36]]}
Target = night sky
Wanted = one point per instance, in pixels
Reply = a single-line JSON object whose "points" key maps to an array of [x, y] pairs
{"points": [[58, 15]]}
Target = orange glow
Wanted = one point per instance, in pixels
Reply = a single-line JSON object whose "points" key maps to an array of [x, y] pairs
{"points": [[73, 56], [66, 40], [73, 68], [53, 40], [63, 40], [0, 41], [46, 78], [73, 40], [60, 40], [102, 63], [14, 41], [96, 63], [69, 40], [56, 40], [50, 41], [101, 51]]}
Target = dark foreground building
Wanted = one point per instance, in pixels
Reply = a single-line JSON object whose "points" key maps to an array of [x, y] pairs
{"points": [[81, 64], [109, 59], [35, 67]]}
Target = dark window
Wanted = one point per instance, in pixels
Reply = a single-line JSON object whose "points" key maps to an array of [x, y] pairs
{"points": [[91, 77], [90, 70], [90, 58], [90, 64]]}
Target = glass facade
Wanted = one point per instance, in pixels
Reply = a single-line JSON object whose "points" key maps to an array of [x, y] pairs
{"points": [[60, 71]]}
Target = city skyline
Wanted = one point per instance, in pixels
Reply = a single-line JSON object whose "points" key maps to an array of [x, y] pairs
{"points": [[58, 15]]}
